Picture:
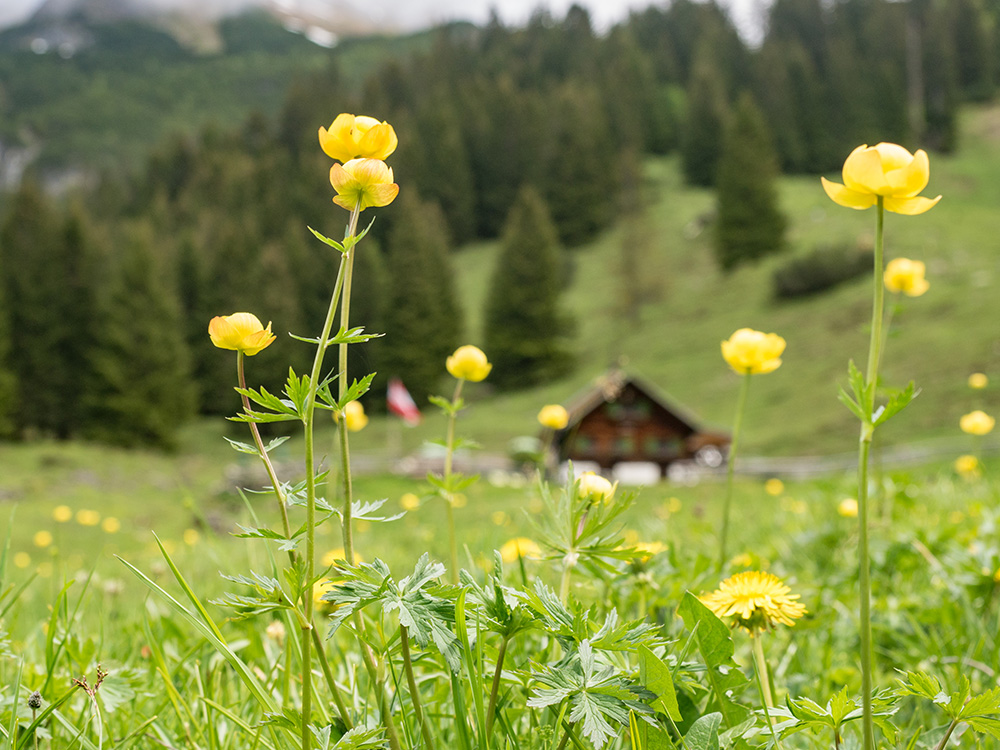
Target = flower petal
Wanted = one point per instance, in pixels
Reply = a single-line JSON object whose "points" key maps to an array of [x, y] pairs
{"points": [[911, 178], [892, 156], [844, 196], [910, 206], [863, 172], [380, 195]]}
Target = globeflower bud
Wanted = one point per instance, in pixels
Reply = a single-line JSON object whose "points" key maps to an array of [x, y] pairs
{"points": [[751, 352], [967, 467], [242, 332], [363, 183], [553, 416], [887, 171], [350, 137], [469, 363], [595, 488], [978, 381], [354, 416], [977, 423], [906, 276]]}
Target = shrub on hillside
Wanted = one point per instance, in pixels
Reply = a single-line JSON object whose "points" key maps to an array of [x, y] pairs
{"points": [[822, 269]]}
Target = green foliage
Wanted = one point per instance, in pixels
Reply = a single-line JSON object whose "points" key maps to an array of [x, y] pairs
{"points": [[701, 137], [524, 326], [823, 268], [750, 223]]}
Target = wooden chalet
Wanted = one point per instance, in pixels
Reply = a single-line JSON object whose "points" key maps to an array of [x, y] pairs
{"points": [[624, 419]]}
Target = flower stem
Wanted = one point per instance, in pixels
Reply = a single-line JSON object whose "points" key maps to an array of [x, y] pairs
{"points": [[495, 688], [864, 449], [741, 403], [308, 424], [763, 683], [345, 453], [449, 499], [425, 730]]}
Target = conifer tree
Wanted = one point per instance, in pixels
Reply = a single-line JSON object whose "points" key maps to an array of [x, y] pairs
{"points": [[422, 319], [524, 329], [142, 390], [8, 382], [750, 223], [702, 132]]}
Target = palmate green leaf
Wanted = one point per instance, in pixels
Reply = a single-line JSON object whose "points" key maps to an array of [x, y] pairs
{"points": [[715, 645], [268, 400], [365, 511], [446, 405], [354, 391], [455, 483], [502, 609], [896, 403]]}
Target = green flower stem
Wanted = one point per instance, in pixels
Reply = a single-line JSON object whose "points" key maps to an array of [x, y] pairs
{"points": [[282, 504], [425, 730], [448, 456], [308, 424], [763, 683], [495, 688], [741, 403], [345, 451], [864, 450]]}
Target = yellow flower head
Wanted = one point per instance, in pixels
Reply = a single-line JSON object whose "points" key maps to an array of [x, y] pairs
{"points": [[363, 183], [553, 416], [848, 507], [646, 550], [87, 517], [755, 600], [906, 276], [977, 423], [62, 513], [469, 363], [885, 170], [774, 486], [241, 332], [111, 525], [350, 137], [967, 467], [978, 381], [409, 501], [595, 488], [751, 352], [519, 546], [354, 416], [42, 538]]}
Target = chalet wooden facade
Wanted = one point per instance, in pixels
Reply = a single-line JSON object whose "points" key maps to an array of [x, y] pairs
{"points": [[625, 419]]}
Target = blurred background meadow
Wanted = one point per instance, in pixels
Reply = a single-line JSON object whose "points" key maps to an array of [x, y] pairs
{"points": [[159, 166]]}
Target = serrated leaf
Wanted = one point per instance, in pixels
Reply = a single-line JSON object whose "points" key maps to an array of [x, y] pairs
{"points": [[327, 241], [704, 733], [896, 403], [241, 447], [655, 675], [851, 404]]}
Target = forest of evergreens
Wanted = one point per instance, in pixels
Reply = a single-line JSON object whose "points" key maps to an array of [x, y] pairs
{"points": [[106, 294]]}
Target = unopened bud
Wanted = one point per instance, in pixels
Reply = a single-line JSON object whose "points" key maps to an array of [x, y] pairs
{"points": [[35, 701]]}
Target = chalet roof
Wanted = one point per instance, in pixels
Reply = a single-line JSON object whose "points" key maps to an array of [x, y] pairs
{"points": [[608, 387]]}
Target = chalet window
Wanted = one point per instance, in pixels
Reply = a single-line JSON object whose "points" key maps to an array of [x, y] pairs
{"points": [[624, 445], [662, 447]]}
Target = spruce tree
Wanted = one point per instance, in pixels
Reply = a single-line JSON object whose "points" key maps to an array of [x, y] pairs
{"points": [[702, 132], [8, 382], [422, 320], [524, 330], [750, 223], [142, 389]]}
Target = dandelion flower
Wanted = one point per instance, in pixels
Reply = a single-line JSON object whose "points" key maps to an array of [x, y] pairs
{"points": [[774, 486], [755, 600]]}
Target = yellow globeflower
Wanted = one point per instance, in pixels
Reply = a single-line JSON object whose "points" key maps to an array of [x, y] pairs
{"points": [[595, 488], [469, 363], [553, 416], [86, 517], [848, 507], [967, 467], [350, 137], [751, 352], [906, 276], [42, 538], [191, 537], [111, 525], [363, 183], [978, 381], [977, 423], [755, 600], [354, 416], [646, 550], [409, 501], [774, 486], [885, 170], [22, 560], [240, 332], [519, 546], [62, 513]]}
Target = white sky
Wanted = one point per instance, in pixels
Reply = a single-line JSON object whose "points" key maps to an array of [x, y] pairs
{"points": [[418, 13]]}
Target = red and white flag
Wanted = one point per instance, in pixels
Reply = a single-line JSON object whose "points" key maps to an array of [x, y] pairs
{"points": [[401, 402]]}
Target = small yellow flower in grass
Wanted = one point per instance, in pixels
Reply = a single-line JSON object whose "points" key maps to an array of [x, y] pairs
{"points": [[848, 507], [774, 486], [22, 560], [459, 500], [906, 276], [42, 539], [751, 352], [755, 600], [86, 517], [500, 518], [363, 183], [977, 423], [742, 560], [978, 381], [111, 525], [409, 501], [191, 537], [62, 513], [469, 363], [553, 416], [595, 488], [350, 136], [885, 170], [519, 546], [967, 467], [331, 557], [242, 332], [354, 416], [674, 505], [646, 550]]}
